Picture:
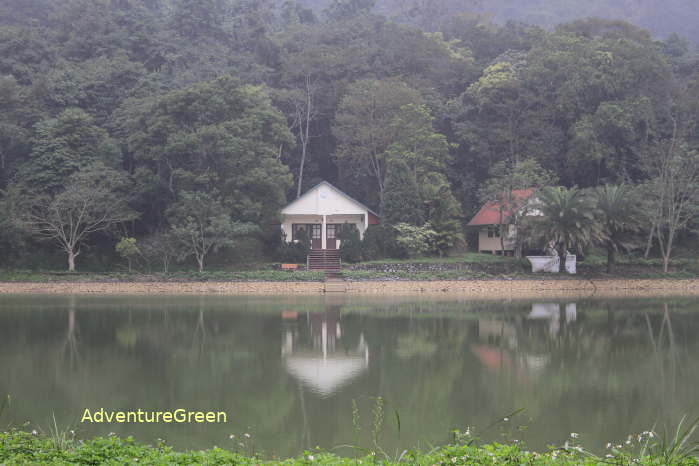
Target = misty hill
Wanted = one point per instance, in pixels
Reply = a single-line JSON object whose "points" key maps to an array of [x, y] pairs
{"points": [[661, 17]]}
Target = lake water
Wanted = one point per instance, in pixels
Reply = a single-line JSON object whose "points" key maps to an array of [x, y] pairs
{"points": [[289, 370]]}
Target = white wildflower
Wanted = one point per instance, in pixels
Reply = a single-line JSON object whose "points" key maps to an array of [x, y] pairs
{"points": [[574, 435]]}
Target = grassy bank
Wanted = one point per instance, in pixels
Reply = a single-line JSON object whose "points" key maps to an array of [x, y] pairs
{"points": [[466, 267], [20, 448], [19, 276]]}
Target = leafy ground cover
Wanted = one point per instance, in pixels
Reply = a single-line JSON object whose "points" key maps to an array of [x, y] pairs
{"points": [[21, 448]]}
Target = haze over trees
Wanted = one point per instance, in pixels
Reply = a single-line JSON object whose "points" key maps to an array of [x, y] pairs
{"points": [[243, 104]]}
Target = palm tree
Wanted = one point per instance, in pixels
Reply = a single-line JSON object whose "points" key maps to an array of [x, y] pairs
{"points": [[568, 219], [618, 213]]}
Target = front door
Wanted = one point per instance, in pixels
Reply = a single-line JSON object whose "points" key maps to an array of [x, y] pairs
{"points": [[316, 236], [330, 236]]}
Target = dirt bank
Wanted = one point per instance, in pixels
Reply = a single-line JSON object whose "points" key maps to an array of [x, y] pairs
{"points": [[473, 288]]}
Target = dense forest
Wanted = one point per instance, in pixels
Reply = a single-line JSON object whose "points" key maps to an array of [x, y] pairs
{"points": [[176, 126]]}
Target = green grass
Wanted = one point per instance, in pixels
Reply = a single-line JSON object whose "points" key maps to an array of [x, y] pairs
{"points": [[213, 276], [593, 266], [22, 448]]}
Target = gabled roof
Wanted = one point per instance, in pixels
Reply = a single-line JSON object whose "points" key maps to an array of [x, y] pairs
{"points": [[338, 190], [490, 212]]}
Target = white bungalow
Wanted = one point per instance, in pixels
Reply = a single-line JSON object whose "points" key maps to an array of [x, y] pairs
{"points": [[320, 213]]}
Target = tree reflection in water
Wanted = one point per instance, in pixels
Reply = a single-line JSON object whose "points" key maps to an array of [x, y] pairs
{"points": [[287, 369]]}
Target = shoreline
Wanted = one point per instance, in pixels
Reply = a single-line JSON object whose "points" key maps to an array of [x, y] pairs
{"points": [[494, 289]]}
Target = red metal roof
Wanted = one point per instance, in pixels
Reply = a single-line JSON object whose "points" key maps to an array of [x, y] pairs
{"points": [[490, 212]]}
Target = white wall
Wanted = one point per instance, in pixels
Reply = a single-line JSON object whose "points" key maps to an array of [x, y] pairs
{"points": [[288, 220], [493, 244]]}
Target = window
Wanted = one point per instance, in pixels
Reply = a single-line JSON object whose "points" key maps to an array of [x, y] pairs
{"points": [[494, 231], [316, 231], [331, 229]]}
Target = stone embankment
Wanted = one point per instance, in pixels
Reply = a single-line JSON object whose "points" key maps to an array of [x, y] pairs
{"points": [[496, 289]]}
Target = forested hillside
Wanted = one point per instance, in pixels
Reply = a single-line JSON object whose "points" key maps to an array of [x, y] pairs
{"points": [[662, 18], [158, 119]]}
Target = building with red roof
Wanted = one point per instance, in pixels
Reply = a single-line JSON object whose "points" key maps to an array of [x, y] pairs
{"points": [[488, 221]]}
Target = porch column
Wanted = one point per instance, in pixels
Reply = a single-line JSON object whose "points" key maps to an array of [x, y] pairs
{"points": [[366, 224], [323, 234]]}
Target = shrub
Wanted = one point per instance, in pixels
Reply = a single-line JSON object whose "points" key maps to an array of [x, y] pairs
{"points": [[375, 243], [414, 240], [351, 244], [128, 249], [294, 252]]}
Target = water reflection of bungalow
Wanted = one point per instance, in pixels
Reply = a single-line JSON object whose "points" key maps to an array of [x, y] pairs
{"points": [[552, 313], [499, 347], [313, 354]]}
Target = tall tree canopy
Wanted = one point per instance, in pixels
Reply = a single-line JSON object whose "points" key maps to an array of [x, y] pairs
{"points": [[252, 102]]}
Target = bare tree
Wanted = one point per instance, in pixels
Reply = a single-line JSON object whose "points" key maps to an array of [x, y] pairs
{"points": [[89, 204], [160, 246], [304, 114], [673, 190]]}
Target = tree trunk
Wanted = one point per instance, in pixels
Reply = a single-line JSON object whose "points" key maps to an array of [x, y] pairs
{"points": [[303, 161], [611, 259], [200, 261], [71, 261], [502, 240], [649, 243], [666, 262], [562, 257]]}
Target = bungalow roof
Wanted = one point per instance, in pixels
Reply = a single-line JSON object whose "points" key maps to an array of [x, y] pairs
{"points": [[489, 214]]}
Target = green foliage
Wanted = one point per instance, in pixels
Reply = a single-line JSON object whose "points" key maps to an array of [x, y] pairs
{"points": [[62, 147], [351, 247], [401, 202], [376, 242], [12, 234], [128, 249], [442, 212], [619, 211], [364, 129], [220, 136], [416, 141], [294, 252], [340, 10], [569, 219], [201, 224], [144, 87], [414, 240], [20, 448]]}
